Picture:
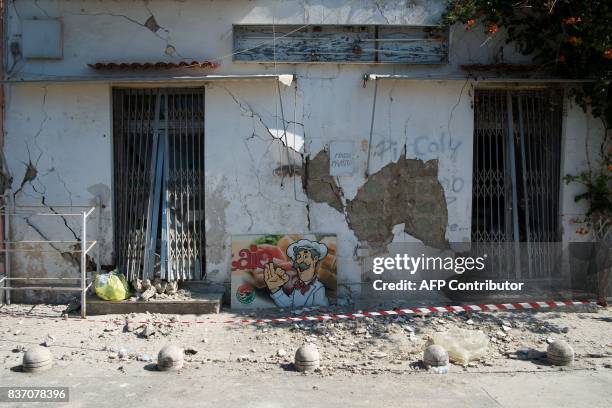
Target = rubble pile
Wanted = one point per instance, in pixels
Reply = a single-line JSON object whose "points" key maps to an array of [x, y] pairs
{"points": [[158, 289]]}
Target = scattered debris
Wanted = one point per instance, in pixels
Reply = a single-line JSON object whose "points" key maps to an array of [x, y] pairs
{"points": [[147, 331], [145, 357], [48, 341]]}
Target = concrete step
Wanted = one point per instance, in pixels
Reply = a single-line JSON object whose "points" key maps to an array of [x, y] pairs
{"points": [[200, 303]]}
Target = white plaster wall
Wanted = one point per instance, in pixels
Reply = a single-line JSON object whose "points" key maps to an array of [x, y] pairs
{"points": [[582, 137], [113, 30], [65, 129], [64, 132]]}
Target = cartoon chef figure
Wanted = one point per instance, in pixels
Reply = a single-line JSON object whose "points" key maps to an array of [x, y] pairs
{"points": [[308, 290]]}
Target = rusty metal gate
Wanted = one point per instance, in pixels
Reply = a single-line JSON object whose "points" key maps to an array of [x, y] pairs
{"points": [[516, 180], [158, 143]]}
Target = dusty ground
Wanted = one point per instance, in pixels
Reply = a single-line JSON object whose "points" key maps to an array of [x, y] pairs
{"points": [[362, 361]]}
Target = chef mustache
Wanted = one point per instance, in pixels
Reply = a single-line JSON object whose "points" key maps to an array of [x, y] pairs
{"points": [[301, 266]]}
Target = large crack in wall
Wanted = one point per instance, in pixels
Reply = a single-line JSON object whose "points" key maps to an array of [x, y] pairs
{"points": [[405, 192]]}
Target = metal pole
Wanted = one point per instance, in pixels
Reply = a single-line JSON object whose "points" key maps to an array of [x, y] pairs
{"points": [[526, 195], [99, 239], [515, 207], [367, 171], [7, 256], [84, 266]]}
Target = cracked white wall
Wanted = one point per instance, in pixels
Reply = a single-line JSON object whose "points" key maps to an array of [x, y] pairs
{"points": [[58, 141], [65, 129]]}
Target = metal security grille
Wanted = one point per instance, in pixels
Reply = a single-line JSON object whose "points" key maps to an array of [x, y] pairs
{"points": [[515, 198], [159, 182]]}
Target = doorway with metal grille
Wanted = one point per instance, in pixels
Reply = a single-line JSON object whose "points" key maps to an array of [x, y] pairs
{"points": [[158, 147], [516, 180]]}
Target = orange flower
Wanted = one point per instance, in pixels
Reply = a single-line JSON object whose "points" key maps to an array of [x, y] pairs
{"points": [[571, 20], [469, 24], [574, 40], [609, 167], [608, 53], [493, 28]]}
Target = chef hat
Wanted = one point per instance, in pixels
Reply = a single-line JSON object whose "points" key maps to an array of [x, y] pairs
{"points": [[318, 249]]}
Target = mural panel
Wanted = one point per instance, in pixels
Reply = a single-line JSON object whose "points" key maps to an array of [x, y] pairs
{"points": [[286, 271]]}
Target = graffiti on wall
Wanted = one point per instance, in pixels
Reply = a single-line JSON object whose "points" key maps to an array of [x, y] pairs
{"points": [[287, 271]]}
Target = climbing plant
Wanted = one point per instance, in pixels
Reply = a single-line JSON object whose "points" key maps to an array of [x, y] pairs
{"points": [[568, 39]]}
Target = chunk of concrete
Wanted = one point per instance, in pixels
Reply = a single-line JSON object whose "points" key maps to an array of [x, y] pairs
{"points": [[307, 358], [560, 353], [37, 359], [170, 358], [435, 356]]}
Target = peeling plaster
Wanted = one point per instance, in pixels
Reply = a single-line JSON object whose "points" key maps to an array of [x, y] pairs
{"points": [[406, 192], [318, 185]]}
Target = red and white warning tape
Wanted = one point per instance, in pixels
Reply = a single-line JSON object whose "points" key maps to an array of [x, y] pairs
{"points": [[420, 311], [349, 316]]}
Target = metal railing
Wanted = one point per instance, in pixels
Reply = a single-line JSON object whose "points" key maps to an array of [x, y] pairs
{"points": [[8, 209]]}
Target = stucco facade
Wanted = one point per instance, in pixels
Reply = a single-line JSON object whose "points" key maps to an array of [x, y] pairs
{"points": [[59, 122]]}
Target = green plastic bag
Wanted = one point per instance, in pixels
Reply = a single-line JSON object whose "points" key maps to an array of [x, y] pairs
{"points": [[111, 286]]}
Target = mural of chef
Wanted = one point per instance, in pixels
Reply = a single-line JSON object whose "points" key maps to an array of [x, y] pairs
{"points": [[308, 290]]}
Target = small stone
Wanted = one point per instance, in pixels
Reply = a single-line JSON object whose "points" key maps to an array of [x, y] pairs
{"points": [[147, 331], [148, 293], [49, 341], [469, 321], [307, 358], [190, 351], [170, 358], [172, 288], [435, 356], [565, 329], [550, 340], [204, 340], [243, 358], [506, 328], [18, 349], [122, 353], [37, 359], [378, 354], [253, 350], [145, 357], [281, 352], [560, 353]]}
